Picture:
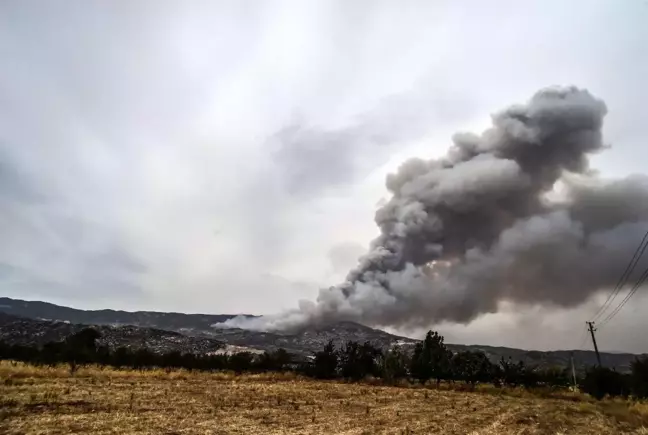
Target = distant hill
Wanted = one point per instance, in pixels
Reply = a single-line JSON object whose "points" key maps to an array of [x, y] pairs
{"points": [[31, 332], [150, 319], [185, 329]]}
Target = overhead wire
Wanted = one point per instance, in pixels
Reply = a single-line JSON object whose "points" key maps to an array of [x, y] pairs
{"points": [[633, 290], [583, 339], [624, 277]]}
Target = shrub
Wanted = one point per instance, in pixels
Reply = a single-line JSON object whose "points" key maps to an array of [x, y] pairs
{"points": [[601, 381]]}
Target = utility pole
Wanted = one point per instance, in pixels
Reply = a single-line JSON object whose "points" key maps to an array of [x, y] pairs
{"points": [[571, 359], [591, 330]]}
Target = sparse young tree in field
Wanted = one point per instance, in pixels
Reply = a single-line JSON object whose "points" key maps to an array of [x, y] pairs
{"points": [[349, 361], [639, 377], [122, 357], [394, 365], [554, 377], [241, 362], [431, 359], [143, 358], [602, 381], [357, 361], [325, 364], [272, 361], [80, 348], [511, 373], [472, 367]]}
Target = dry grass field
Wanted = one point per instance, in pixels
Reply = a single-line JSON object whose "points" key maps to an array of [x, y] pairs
{"points": [[50, 401]]}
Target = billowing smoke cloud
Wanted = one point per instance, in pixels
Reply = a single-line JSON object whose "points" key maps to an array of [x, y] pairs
{"points": [[514, 215]]}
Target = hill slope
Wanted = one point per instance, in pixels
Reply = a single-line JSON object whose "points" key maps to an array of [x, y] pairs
{"points": [[189, 327], [31, 332], [151, 319]]}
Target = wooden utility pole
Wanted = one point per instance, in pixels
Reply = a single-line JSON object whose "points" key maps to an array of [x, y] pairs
{"points": [[591, 330]]}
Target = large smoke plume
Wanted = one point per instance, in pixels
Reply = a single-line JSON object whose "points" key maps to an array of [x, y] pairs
{"points": [[514, 214]]}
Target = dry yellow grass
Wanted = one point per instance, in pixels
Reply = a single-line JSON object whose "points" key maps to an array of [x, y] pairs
{"points": [[50, 401]]}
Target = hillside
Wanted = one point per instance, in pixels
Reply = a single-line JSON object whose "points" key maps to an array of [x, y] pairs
{"points": [[20, 330], [194, 332], [151, 319]]}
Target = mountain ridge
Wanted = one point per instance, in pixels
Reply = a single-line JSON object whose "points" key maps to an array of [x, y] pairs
{"points": [[303, 343]]}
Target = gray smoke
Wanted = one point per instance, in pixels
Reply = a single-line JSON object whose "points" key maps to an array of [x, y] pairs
{"points": [[514, 214]]}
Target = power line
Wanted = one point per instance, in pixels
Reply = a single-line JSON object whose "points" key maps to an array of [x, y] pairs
{"points": [[624, 277], [631, 293], [583, 339]]}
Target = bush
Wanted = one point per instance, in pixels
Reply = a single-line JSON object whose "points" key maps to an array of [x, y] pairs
{"points": [[601, 381], [639, 377]]}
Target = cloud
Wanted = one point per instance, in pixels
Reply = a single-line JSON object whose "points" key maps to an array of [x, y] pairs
{"points": [[312, 158], [130, 132]]}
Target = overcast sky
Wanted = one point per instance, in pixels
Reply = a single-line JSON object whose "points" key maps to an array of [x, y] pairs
{"points": [[228, 157]]}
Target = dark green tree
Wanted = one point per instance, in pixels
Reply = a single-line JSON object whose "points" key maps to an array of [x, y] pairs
{"points": [[602, 381], [472, 367], [84, 339], [394, 365], [122, 357], [370, 357], [554, 377], [511, 373], [325, 363], [80, 348], [357, 361], [431, 359], [273, 361], [241, 362], [639, 376], [143, 358]]}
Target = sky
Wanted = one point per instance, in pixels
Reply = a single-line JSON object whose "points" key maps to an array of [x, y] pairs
{"points": [[228, 156]]}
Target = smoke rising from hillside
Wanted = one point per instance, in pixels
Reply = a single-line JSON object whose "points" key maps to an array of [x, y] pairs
{"points": [[477, 227]]}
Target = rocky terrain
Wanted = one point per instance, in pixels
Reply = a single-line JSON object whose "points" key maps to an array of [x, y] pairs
{"points": [[30, 332], [195, 333]]}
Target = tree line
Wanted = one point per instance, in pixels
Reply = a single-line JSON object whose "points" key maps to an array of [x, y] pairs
{"points": [[430, 361]]}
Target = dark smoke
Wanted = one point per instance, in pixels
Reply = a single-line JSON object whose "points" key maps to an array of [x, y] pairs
{"points": [[515, 214]]}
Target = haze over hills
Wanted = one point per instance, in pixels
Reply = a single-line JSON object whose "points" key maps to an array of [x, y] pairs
{"points": [[36, 322]]}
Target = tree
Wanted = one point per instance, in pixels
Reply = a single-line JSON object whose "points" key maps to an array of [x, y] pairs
{"points": [[431, 359], [511, 373], [84, 339], [554, 377], [143, 358], [241, 362], [122, 357], [358, 361], [172, 359], [472, 367], [326, 362], [53, 353], [370, 357], [273, 361], [602, 381], [639, 377], [80, 347], [394, 365]]}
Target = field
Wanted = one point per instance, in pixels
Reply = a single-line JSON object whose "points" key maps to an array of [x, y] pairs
{"points": [[106, 401]]}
